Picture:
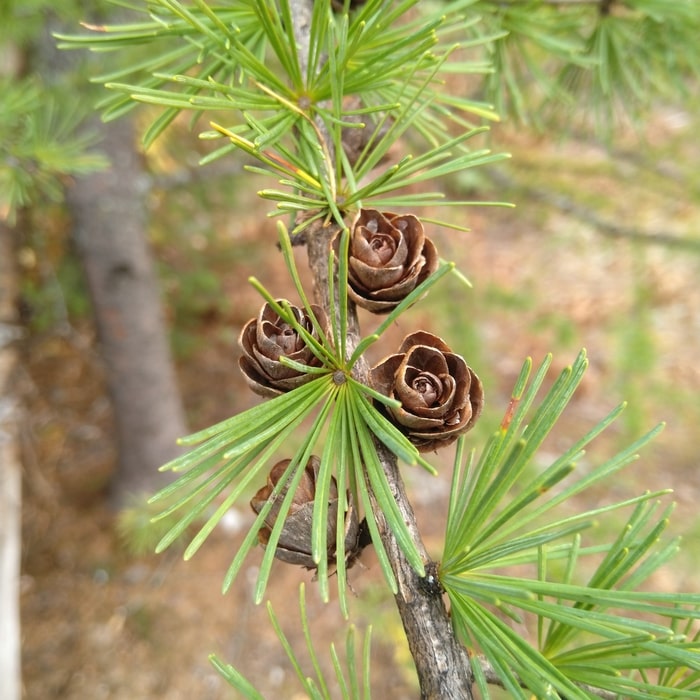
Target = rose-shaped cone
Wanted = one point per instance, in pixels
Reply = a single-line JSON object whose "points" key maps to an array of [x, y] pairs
{"points": [[441, 396], [389, 255], [265, 339], [294, 545]]}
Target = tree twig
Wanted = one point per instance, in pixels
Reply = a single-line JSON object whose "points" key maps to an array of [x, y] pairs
{"points": [[604, 226], [441, 661]]}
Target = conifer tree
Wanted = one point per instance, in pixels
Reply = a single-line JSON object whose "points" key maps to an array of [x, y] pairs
{"points": [[315, 95]]}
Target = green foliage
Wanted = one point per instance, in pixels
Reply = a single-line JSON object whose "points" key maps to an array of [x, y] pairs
{"points": [[21, 21], [353, 686], [43, 140], [138, 532], [41, 144], [276, 119], [602, 59], [230, 48], [603, 633]]}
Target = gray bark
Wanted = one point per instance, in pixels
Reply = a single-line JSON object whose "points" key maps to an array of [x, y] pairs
{"points": [[10, 479], [110, 226]]}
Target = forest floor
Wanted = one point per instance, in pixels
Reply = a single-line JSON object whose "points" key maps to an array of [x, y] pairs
{"points": [[99, 622]]}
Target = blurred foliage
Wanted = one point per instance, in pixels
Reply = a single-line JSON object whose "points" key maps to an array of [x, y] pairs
{"points": [[41, 145], [535, 48], [41, 121], [138, 533], [21, 21], [593, 63]]}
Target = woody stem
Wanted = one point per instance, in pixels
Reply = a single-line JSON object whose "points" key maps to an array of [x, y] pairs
{"points": [[441, 661]]}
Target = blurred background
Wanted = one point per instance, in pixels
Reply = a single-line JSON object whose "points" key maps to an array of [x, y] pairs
{"points": [[601, 251]]}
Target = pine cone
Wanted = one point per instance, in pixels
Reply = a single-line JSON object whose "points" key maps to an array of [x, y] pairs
{"points": [[389, 256], [294, 545], [441, 396], [267, 338]]}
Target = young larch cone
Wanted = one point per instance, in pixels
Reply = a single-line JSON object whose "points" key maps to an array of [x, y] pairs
{"points": [[389, 255], [294, 545], [267, 338], [441, 396]]}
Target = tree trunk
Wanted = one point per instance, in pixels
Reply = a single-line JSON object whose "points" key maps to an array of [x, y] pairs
{"points": [[110, 236], [10, 479]]}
